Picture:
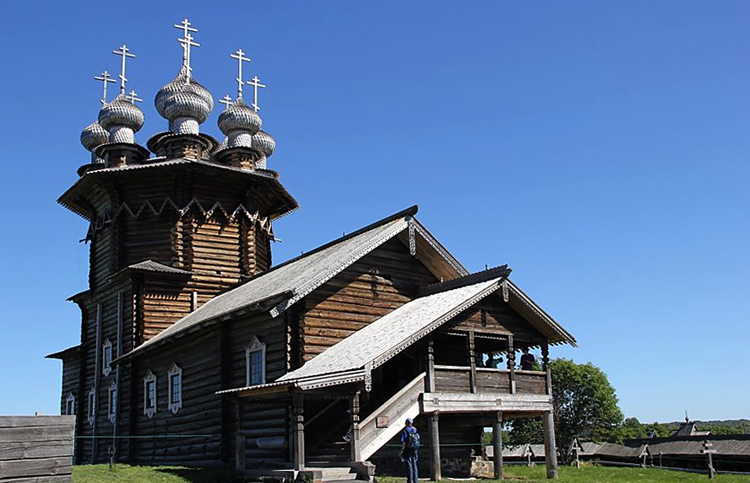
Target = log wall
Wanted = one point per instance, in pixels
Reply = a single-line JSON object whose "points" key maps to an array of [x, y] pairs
{"points": [[36, 448]]}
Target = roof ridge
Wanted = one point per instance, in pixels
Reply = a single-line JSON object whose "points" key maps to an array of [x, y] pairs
{"points": [[473, 278], [411, 211]]}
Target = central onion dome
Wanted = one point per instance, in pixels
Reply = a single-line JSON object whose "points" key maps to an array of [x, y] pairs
{"points": [[93, 136], [185, 103], [122, 119], [240, 123]]}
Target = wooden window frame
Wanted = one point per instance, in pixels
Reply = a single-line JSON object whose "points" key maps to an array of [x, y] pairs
{"points": [[255, 345], [91, 414], [149, 411], [112, 402], [106, 364], [175, 404], [70, 404]]}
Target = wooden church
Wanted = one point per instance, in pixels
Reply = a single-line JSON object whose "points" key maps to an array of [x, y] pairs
{"points": [[196, 350]]}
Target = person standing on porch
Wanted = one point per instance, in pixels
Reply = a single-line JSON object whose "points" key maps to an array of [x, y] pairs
{"points": [[409, 451], [527, 360]]}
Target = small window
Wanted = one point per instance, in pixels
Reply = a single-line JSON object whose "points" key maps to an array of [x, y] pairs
{"points": [[70, 404], [92, 406], [175, 388], [149, 394], [255, 360], [106, 357], [112, 402]]}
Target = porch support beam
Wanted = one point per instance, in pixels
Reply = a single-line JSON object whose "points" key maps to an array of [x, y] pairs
{"points": [[354, 440], [512, 364], [550, 449], [472, 362], [497, 444], [299, 432], [435, 472]]}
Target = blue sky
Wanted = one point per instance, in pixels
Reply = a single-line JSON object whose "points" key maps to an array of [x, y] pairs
{"points": [[599, 148]]}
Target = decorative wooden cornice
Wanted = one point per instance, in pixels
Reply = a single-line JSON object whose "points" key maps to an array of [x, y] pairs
{"points": [[497, 272]]}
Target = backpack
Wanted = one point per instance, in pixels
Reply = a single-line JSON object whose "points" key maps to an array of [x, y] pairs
{"points": [[412, 440]]}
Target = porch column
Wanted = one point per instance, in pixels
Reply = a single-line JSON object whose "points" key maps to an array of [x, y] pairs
{"points": [[545, 366], [354, 440], [299, 432], [497, 445], [512, 364], [550, 449], [472, 362], [435, 473], [430, 381]]}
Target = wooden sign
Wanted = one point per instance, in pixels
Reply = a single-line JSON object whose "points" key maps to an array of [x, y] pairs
{"points": [[381, 422]]}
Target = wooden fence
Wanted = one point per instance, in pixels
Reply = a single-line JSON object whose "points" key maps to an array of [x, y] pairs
{"points": [[36, 448]]}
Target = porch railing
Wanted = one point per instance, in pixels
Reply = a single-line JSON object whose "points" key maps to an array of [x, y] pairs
{"points": [[488, 380]]}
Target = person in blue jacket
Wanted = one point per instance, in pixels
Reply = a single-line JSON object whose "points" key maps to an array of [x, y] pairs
{"points": [[409, 453]]}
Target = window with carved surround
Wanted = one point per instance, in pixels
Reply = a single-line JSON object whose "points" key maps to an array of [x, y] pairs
{"points": [[106, 357], [92, 406], [70, 404], [149, 395], [112, 402], [175, 388], [255, 362]]}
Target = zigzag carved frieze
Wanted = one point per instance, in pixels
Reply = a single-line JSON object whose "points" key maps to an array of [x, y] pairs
{"points": [[147, 208]]}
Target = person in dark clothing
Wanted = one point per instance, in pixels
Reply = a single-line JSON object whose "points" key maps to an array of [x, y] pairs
{"points": [[408, 453], [527, 360]]}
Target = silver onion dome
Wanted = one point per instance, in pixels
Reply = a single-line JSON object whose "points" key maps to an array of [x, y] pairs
{"points": [[178, 85], [122, 119], [239, 117], [93, 136], [264, 143]]}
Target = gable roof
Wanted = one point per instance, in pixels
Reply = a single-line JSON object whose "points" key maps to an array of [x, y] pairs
{"points": [[291, 281], [376, 343]]}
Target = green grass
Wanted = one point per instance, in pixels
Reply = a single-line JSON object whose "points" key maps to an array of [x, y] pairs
{"points": [[602, 474], [148, 474]]}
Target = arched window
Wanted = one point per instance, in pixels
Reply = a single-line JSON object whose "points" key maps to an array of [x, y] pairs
{"points": [[149, 394], [175, 388], [255, 359], [92, 406], [70, 404], [106, 357]]}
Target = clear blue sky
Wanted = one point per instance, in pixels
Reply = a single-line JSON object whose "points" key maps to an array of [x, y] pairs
{"points": [[601, 149]]}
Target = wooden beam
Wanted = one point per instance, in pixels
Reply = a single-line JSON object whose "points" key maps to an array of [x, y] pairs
{"points": [[550, 449], [354, 438], [435, 470], [497, 443], [430, 380], [299, 431], [512, 364], [472, 362]]}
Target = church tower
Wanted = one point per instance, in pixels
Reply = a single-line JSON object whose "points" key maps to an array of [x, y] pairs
{"points": [[170, 227]]}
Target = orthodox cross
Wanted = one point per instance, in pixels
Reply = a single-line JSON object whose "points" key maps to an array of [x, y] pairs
{"points": [[240, 56], [124, 52], [105, 79], [255, 82], [187, 42], [227, 101], [133, 97]]}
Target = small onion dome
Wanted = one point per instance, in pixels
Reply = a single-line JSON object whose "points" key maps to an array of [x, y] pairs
{"points": [[239, 117], [178, 85], [223, 145], [264, 143], [93, 136], [122, 119]]}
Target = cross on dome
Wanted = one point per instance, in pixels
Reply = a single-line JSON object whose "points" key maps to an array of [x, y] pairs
{"points": [[187, 42], [105, 78], [124, 52], [133, 97], [240, 56], [227, 101], [255, 82]]}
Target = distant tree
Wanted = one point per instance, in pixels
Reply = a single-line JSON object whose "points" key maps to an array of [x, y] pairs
{"points": [[585, 404]]}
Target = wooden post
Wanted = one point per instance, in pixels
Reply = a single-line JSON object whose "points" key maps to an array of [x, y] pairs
{"points": [[430, 381], [299, 432], [497, 445], [472, 362], [545, 366], [550, 449], [708, 451], [512, 364], [354, 440], [435, 473]]}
